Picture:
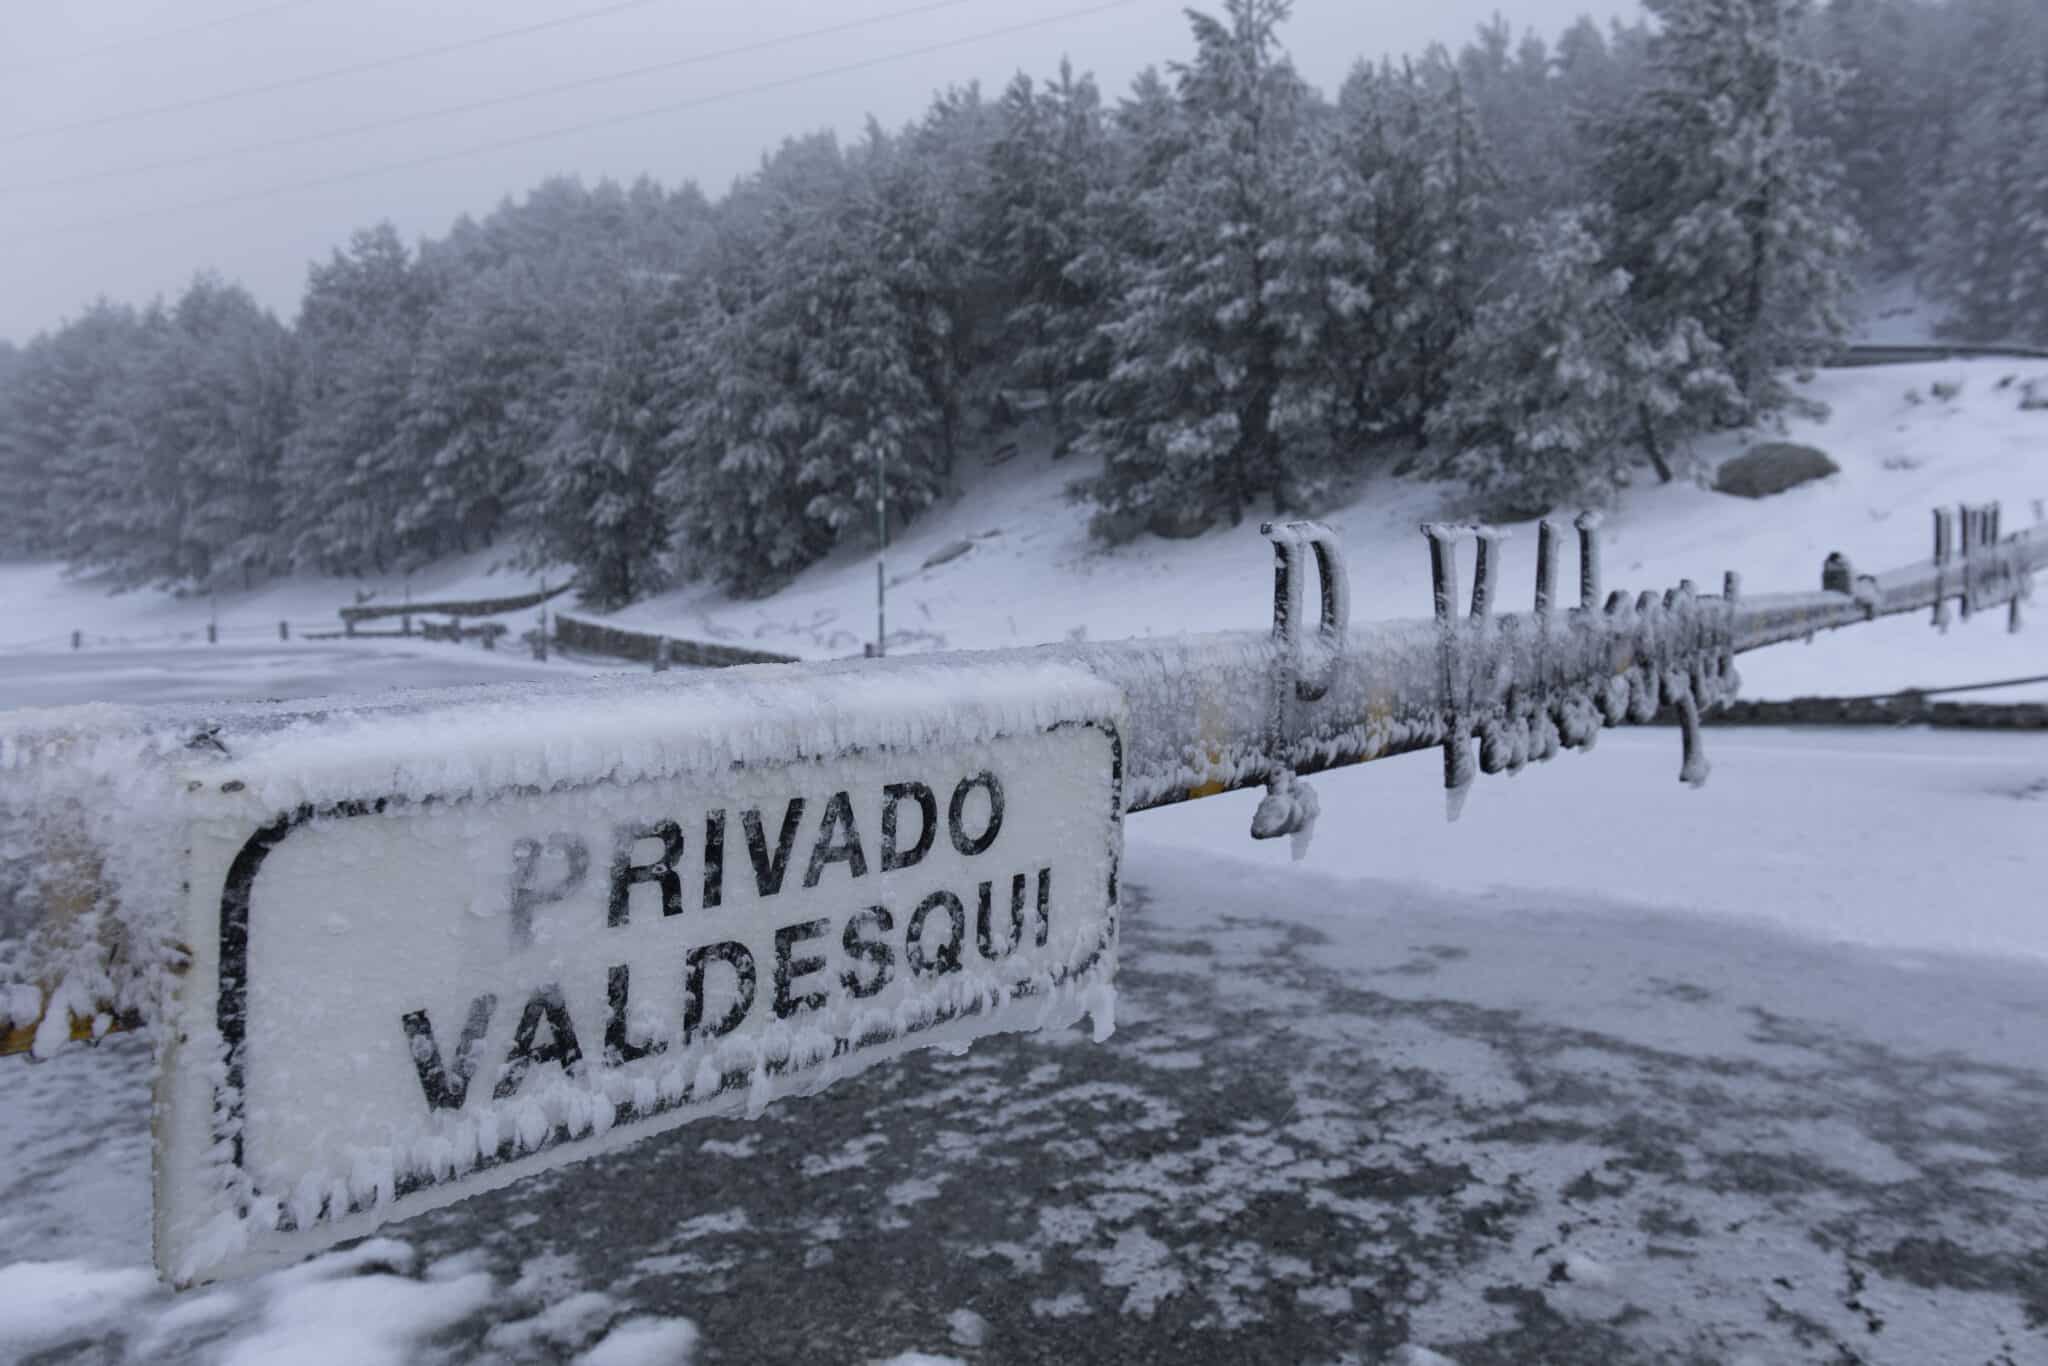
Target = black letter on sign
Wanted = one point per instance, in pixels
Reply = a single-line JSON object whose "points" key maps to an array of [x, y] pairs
{"points": [[626, 873], [546, 1004], [741, 960], [838, 842], [618, 1047], [874, 950], [928, 808], [788, 969], [714, 858], [984, 931], [1044, 904], [443, 1091], [947, 959], [768, 876], [971, 847], [526, 853]]}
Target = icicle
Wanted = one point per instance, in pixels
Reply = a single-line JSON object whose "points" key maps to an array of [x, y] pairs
{"points": [[1694, 769]]}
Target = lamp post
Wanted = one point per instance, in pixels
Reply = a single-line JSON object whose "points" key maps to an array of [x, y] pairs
{"points": [[881, 554]]}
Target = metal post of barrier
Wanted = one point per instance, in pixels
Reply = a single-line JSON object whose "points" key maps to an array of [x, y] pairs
{"points": [[212, 633], [1967, 517], [1457, 741], [284, 630], [77, 640], [1485, 570], [1588, 524], [661, 655]]}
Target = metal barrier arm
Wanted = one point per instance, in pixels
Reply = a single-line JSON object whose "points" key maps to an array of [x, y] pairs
{"points": [[1496, 691]]}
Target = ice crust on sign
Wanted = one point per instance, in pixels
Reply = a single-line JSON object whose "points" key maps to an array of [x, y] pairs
{"points": [[458, 784]]}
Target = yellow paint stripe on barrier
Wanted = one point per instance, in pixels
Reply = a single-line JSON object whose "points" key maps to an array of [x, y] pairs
{"points": [[22, 1038]]}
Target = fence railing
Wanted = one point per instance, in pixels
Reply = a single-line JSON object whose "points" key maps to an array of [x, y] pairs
{"points": [[466, 607]]}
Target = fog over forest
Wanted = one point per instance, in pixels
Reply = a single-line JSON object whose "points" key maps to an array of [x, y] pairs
{"points": [[1538, 264]]}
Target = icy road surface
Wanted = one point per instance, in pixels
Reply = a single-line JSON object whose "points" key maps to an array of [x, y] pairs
{"points": [[1550, 1105]]}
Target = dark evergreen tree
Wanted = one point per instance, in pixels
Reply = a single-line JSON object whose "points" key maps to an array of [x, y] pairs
{"points": [[348, 469], [1554, 383], [1192, 420], [1725, 213], [1987, 233], [1048, 162]]}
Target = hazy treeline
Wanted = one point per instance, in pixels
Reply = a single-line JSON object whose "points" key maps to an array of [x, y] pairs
{"points": [[1535, 266]]}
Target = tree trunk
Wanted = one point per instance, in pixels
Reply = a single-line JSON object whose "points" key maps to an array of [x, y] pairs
{"points": [[1654, 448]]}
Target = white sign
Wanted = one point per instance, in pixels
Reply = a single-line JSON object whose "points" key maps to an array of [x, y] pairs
{"points": [[400, 998]]}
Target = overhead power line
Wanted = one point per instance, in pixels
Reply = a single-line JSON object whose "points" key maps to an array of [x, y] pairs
{"points": [[473, 106], [77, 55], [332, 73], [572, 130]]}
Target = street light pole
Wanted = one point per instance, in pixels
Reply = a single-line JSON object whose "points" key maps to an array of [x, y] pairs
{"points": [[881, 555]]}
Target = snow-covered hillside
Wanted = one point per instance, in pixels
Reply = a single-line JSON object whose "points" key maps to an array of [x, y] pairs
{"points": [[1032, 575], [1029, 572]]}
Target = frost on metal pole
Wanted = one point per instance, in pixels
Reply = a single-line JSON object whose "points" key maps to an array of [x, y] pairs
{"points": [[416, 947]]}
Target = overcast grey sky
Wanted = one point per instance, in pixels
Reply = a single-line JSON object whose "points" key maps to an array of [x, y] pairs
{"points": [[83, 87]]}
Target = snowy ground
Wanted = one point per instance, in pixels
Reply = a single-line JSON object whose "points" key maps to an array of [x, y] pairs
{"points": [[1610, 1071], [1548, 1109]]}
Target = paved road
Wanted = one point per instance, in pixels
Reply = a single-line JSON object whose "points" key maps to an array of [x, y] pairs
{"points": [[1509, 1133]]}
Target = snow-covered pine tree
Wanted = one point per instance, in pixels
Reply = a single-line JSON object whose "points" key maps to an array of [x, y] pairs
{"points": [[1405, 212], [63, 377], [1892, 113], [916, 219], [874, 369], [121, 495], [485, 397], [1987, 242], [1555, 394], [1050, 157], [348, 468], [219, 403], [171, 478], [595, 494], [1725, 212], [1524, 117], [1189, 422], [745, 420]]}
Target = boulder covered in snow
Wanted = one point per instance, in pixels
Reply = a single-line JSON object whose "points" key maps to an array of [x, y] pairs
{"points": [[1772, 468]]}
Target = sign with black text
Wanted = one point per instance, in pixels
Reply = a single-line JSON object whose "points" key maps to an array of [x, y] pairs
{"points": [[398, 998]]}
